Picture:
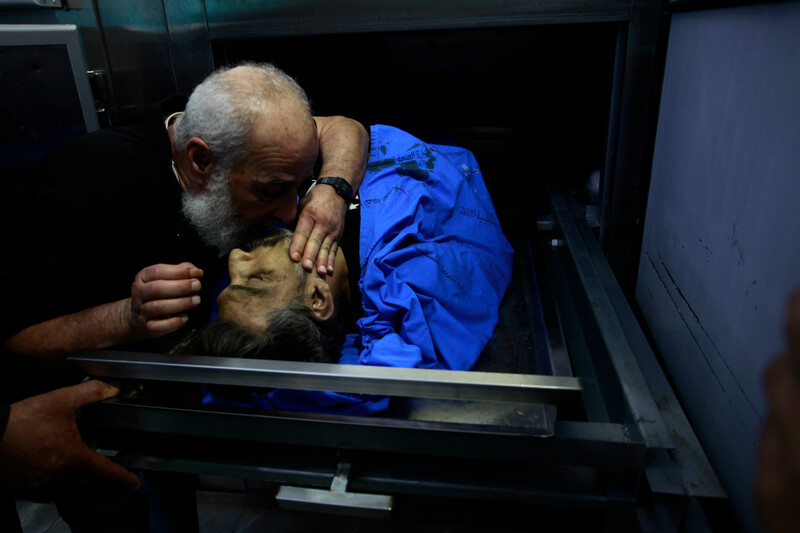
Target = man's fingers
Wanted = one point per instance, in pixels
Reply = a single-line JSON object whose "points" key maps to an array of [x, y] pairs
{"points": [[86, 393], [161, 271], [322, 257], [301, 233], [312, 249], [318, 228], [99, 467], [157, 306], [332, 256], [162, 326], [163, 289], [168, 307]]}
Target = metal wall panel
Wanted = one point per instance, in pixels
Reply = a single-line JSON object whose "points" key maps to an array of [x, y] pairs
{"points": [[139, 53], [720, 253], [44, 95], [191, 49]]}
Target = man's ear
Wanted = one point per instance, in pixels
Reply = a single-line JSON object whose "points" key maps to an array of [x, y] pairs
{"points": [[199, 162], [319, 299]]}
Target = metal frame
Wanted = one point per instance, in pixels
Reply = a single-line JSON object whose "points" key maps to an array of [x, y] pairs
{"points": [[409, 382], [255, 19], [63, 35], [632, 427], [622, 378]]}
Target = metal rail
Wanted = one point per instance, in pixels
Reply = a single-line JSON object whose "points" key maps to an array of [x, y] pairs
{"points": [[407, 382], [599, 310], [257, 19]]}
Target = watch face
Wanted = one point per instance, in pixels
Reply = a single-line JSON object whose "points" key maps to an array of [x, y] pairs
{"points": [[341, 186]]}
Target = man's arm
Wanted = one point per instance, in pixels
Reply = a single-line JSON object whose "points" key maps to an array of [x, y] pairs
{"points": [[160, 295], [42, 450], [344, 148]]}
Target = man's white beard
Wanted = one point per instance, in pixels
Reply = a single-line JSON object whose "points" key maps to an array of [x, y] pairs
{"points": [[212, 214]]}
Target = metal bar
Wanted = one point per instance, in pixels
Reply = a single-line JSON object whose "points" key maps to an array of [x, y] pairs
{"points": [[677, 6], [544, 482], [612, 138], [593, 394], [635, 132], [407, 382], [599, 309], [152, 431], [685, 470], [36, 34], [559, 353], [29, 3], [255, 18], [330, 501]]}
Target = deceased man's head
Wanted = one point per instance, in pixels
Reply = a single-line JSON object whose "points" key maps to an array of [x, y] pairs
{"points": [[282, 307]]}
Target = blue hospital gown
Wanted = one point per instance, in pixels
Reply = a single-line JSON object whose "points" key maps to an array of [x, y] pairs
{"points": [[434, 268]]}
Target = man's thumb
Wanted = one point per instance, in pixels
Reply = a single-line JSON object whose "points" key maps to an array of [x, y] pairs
{"points": [[90, 392]]}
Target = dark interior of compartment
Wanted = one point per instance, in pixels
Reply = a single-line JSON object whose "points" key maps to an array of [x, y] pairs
{"points": [[522, 99], [508, 94]]}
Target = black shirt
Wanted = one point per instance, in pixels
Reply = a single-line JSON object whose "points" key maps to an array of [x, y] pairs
{"points": [[99, 209]]}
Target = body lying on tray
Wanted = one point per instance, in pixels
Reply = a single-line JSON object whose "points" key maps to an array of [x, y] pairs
{"points": [[424, 289]]}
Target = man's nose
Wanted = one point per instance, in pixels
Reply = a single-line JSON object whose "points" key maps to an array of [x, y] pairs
{"points": [[238, 255], [238, 262]]}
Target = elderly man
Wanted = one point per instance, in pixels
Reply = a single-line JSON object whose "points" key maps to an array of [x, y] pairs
{"points": [[431, 268], [114, 233], [117, 202]]}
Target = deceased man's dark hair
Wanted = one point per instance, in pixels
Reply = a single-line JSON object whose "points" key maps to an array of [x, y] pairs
{"points": [[293, 335]]}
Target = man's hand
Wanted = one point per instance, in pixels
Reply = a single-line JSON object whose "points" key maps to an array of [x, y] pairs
{"points": [[778, 464], [344, 149], [160, 296], [319, 229], [42, 452]]}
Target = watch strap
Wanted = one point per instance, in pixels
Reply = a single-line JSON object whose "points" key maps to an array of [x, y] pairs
{"points": [[340, 185]]}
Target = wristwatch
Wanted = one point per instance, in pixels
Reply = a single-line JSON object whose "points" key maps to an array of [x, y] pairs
{"points": [[341, 187]]}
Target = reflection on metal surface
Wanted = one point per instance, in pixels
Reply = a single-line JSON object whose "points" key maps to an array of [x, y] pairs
{"points": [[525, 419], [335, 502], [255, 18], [411, 382], [29, 3], [139, 52]]}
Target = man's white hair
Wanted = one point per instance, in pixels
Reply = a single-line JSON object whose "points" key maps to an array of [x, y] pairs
{"points": [[223, 109]]}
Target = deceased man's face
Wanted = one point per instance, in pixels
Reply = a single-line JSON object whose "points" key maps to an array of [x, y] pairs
{"points": [[261, 280]]}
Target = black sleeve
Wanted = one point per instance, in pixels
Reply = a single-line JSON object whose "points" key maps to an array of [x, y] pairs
{"points": [[5, 411], [95, 211]]}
